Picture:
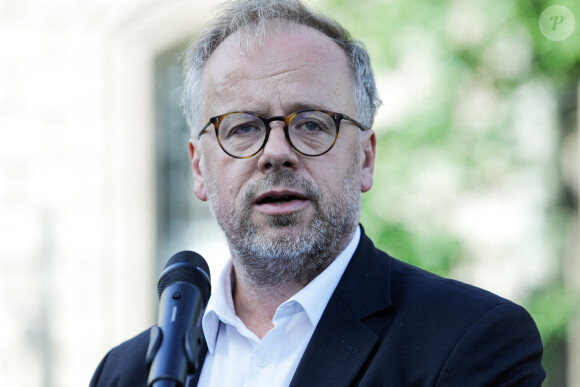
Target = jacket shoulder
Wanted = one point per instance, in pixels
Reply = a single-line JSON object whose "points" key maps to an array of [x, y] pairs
{"points": [[124, 365], [452, 328]]}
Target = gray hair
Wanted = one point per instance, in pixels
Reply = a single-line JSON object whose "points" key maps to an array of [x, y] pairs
{"points": [[252, 17]]}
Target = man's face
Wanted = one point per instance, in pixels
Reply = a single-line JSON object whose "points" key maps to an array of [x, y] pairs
{"points": [[280, 205]]}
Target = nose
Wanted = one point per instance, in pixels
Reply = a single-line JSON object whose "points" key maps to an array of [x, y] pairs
{"points": [[277, 153]]}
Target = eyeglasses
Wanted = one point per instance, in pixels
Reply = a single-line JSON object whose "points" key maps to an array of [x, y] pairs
{"points": [[310, 132]]}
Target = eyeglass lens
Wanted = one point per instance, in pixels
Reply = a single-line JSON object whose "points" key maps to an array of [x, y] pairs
{"points": [[311, 133]]}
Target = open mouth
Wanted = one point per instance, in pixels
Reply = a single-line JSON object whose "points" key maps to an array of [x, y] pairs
{"points": [[273, 197], [278, 199], [281, 202]]}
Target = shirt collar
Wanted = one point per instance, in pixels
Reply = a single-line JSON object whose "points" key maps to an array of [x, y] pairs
{"points": [[219, 307], [312, 298]]}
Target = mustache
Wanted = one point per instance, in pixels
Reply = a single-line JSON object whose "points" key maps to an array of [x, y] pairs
{"points": [[286, 179]]}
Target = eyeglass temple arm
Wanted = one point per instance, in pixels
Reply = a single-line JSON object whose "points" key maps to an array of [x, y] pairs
{"points": [[361, 126], [203, 129]]}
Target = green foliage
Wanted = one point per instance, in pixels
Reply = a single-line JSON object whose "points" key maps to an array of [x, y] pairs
{"points": [[552, 309], [481, 111]]}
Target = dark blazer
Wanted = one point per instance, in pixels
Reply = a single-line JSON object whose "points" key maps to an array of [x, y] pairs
{"points": [[392, 324]]}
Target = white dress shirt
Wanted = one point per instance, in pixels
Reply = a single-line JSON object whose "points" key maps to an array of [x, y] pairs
{"points": [[237, 357]]}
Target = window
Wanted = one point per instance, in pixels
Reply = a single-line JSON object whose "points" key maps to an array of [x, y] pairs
{"points": [[183, 222]]}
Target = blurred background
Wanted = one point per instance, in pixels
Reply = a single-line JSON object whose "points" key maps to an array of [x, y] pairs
{"points": [[476, 176]]}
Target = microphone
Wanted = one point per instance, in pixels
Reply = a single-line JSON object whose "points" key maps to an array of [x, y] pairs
{"points": [[174, 344]]}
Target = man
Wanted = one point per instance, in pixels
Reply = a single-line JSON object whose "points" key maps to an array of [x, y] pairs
{"points": [[281, 102]]}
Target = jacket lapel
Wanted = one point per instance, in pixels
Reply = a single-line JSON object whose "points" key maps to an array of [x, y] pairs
{"points": [[342, 343]]}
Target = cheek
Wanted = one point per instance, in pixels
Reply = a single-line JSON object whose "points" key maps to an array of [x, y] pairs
{"points": [[325, 176], [225, 181], [339, 171]]}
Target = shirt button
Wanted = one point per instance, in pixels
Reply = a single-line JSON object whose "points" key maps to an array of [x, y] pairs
{"points": [[262, 362]]}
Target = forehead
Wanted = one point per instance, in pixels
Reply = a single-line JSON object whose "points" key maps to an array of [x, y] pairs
{"points": [[289, 65]]}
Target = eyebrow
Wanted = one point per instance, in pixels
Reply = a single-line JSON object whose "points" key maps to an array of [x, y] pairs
{"points": [[298, 106]]}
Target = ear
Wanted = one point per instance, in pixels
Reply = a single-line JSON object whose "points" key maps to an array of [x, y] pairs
{"points": [[368, 143], [194, 161]]}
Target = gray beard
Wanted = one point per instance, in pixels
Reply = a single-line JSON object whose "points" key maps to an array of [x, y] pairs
{"points": [[268, 260]]}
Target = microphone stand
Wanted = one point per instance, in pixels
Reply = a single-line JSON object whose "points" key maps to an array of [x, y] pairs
{"points": [[171, 356], [176, 341], [165, 383]]}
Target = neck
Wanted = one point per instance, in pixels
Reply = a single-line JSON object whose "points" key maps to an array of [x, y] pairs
{"points": [[256, 305], [261, 283]]}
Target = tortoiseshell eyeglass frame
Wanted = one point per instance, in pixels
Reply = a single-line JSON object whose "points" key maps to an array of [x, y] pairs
{"points": [[336, 117]]}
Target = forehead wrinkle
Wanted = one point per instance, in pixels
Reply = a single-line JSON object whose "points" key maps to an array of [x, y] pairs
{"points": [[276, 80], [274, 74], [262, 103], [271, 69]]}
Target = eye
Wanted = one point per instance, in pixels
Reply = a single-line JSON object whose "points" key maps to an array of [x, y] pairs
{"points": [[243, 132], [239, 126], [243, 129], [311, 126], [309, 123]]}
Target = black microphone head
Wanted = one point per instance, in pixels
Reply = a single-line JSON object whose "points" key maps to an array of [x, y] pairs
{"points": [[186, 266]]}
